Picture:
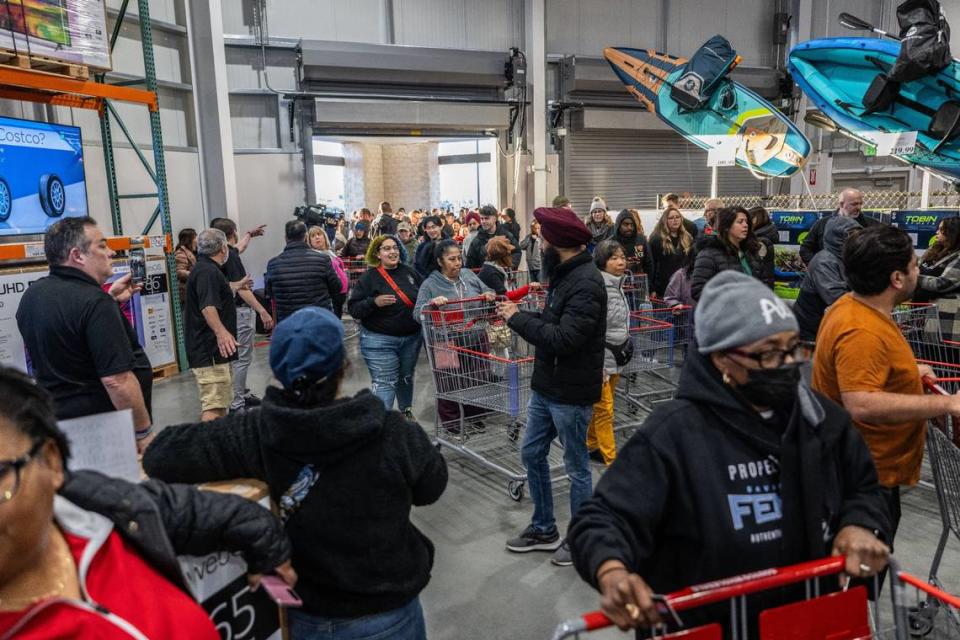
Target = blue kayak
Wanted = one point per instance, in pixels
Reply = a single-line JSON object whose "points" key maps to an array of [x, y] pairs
{"points": [[836, 73], [771, 144]]}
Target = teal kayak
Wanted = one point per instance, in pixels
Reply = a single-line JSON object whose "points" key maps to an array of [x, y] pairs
{"points": [[835, 74], [769, 144]]}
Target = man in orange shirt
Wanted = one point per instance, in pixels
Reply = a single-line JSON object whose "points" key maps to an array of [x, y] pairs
{"points": [[863, 362]]}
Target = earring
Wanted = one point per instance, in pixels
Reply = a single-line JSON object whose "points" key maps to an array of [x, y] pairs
{"points": [[727, 380]]}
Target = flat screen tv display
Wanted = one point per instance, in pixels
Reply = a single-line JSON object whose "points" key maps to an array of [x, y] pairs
{"points": [[41, 175]]}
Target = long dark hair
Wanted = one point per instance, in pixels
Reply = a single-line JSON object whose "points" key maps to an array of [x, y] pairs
{"points": [[185, 239], [951, 229], [725, 219]]}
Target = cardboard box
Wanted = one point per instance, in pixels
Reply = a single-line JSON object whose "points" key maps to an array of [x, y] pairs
{"points": [[71, 31]]}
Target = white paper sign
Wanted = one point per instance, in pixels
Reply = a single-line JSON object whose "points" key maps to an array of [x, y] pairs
{"points": [[104, 442], [899, 144], [724, 153], [12, 288]]}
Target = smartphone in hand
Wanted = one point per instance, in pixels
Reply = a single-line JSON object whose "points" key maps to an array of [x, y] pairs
{"points": [[280, 592], [138, 267]]}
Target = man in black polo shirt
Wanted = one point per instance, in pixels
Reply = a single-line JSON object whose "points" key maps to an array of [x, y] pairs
{"points": [[210, 325], [247, 306], [83, 351]]}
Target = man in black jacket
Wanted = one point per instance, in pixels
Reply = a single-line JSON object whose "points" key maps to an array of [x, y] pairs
{"points": [[489, 227], [851, 205], [745, 470], [300, 277], [567, 373], [384, 224]]}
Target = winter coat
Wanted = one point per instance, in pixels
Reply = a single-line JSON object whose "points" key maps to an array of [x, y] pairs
{"points": [[513, 227], [355, 550], [618, 320], [726, 492], [185, 260], [665, 264], [533, 246], [356, 247], [300, 277], [477, 254], [340, 269], [824, 283], [635, 248], [768, 232], [495, 277], [940, 282], [813, 243], [423, 261], [161, 521], [411, 249], [714, 257], [467, 285], [384, 225], [467, 241], [678, 290], [568, 334], [600, 231]]}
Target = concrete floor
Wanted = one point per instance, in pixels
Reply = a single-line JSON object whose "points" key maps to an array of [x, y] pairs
{"points": [[478, 589]]}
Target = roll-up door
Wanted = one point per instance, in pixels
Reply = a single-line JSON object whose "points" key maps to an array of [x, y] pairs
{"points": [[630, 168]]}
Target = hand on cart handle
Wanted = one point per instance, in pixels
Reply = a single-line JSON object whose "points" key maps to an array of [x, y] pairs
{"points": [[625, 598], [506, 309], [489, 296], [926, 372], [865, 555], [439, 301]]}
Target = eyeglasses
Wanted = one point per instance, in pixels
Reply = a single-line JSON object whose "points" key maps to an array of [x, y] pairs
{"points": [[773, 358], [390, 249], [10, 471]]}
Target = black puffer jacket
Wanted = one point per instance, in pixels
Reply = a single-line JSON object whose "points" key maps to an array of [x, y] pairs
{"points": [[354, 547], [769, 233], [568, 334], [714, 257], [665, 263], [725, 492], [163, 521], [635, 247], [301, 277], [477, 254]]}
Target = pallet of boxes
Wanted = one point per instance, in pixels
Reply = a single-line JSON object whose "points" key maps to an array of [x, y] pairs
{"points": [[63, 37]]}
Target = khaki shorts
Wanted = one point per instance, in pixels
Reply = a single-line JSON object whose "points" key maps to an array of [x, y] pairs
{"points": [[216, 386]]}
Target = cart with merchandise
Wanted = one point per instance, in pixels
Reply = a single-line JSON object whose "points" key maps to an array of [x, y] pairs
{"points": [[355, 267], [840, 615], [483, 367]]}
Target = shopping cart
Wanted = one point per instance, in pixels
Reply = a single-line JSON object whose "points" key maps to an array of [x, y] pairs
{"points": [[355, 268], [485, 368], [842, 615]]}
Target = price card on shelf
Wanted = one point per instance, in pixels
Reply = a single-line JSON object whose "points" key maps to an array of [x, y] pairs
{"points": [[724, 152], [895, 144]]}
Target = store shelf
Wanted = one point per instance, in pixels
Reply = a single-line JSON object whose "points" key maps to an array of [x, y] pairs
{"points": [[50, 88], [22, 251]]}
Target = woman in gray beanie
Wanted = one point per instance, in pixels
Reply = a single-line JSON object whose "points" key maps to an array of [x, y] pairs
{"points": [[746, 469]]}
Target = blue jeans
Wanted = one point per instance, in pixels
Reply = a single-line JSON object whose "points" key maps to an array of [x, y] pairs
{"points": [[391, 361], [405, 623], [547, 419]]}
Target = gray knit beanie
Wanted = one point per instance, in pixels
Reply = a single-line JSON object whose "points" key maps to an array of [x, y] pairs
{"points": [[597, 203], [736, 309]]}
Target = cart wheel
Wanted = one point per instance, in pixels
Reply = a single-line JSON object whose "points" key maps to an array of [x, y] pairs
{"points": [[515, 489], [920, 620], [53, 195], [513, 431], [6, 200]]}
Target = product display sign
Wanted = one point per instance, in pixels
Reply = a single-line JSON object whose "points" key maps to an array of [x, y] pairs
{"points": [[921, 225], [41, 175], [12, 288], [219, 583], [150, 313], [794, 225]]}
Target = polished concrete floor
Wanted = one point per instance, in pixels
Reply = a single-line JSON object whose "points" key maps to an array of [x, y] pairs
{"points": [[478, 589]]}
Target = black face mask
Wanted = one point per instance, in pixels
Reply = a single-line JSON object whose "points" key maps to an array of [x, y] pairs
{"points": [[774, 388]]}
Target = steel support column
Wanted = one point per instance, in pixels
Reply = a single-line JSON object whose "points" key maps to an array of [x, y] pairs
{"points": [[536, 51]]}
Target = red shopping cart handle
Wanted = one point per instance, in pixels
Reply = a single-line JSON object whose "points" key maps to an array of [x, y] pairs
{"points": [[449, 302], [932, 385], [719, 590]]}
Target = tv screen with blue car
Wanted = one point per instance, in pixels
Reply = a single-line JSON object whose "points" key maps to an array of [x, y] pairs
{"points": [[41, 175]]}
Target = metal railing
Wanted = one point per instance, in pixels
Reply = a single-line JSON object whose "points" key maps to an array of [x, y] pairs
{"points": [[826, 201]]}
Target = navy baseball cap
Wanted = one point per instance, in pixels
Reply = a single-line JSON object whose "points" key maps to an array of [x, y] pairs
{"points": [[307, 346]]}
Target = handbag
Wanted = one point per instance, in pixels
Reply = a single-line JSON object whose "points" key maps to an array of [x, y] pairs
{"points": [[393, 285], [622, 353]]}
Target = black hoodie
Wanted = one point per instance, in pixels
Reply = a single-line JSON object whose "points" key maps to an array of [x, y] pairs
{"points": [[707, 489], [354, 548], [635, 247]]}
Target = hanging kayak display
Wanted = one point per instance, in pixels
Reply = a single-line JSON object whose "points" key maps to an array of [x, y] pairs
{"points": [[837, 74], [709, 109]]}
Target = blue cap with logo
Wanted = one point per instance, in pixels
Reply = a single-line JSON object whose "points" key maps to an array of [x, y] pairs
{"points": [[306, 347]]}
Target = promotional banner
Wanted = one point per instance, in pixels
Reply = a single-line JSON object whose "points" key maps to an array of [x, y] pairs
{"points": [[12, 288], [41, 175], [794, 225], [150, 313], [922, 225]]}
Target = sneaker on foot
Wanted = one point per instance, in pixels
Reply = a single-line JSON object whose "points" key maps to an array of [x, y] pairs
{"points": [[562, 557], [533, 540], [408, 414], [251, 400]]}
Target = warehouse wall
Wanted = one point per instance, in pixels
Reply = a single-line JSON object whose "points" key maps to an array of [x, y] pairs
{"points": [[411, 175]]}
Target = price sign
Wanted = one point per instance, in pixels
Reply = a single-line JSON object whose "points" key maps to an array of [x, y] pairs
{"points": [[724, 152], [895, 144]]}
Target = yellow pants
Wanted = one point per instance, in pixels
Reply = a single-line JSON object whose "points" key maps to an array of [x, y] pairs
{"points": [[600, 432]]}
